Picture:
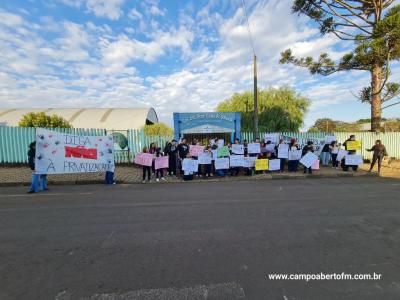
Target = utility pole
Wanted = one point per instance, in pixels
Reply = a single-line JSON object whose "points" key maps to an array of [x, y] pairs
{"points": [[255, 129]]}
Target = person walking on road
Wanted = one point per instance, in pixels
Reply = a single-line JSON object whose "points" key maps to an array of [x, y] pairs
{"points": [[379, 152]]}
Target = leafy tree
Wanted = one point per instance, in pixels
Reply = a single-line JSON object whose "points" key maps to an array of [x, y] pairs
{"points": [[280, 109], [374, 27], [329, 125], [43, 120], [158, 129]]}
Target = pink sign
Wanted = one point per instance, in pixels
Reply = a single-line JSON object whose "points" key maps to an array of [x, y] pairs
{"points": [[144, 159], [161, 162], [315, 165], [196, 150]]}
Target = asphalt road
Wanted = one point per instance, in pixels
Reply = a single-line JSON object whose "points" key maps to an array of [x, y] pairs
{"points": [[201, 240]]}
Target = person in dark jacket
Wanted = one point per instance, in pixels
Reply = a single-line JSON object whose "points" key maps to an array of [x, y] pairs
{"points": [[31, 161], [171, 151], [308, 148], [183, 151], [159, 172], [379, 152], [293, 164]]}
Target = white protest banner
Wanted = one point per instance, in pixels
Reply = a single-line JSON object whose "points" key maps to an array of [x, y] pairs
{"points": [[341, 154], [161, 162], [270, 148], [249, 162], [253, 148], [222, 163], [190, 165], [144, 159], [236, 160], [59, 153], [318, 143], [329, 139], [237, 149], [283, 151], [274, 164], [273, 137], [295, 154], [220, 143], [353, 160], [205, 158], [195, 150], [308, 160]]}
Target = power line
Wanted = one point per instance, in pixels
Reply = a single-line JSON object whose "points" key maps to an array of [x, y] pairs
{"points": [[248, 26]]}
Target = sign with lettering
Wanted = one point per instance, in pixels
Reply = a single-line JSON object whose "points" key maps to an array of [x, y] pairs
{"points": [[249, 162], [161, 162], [190, 165], [205, 158], [261, 164], [221, 163], [274, 164], [273, 137], [253, 148], [283, 151], [236, 160], [354, 160], [144, 159], [196, 150], [353, 145], [295, 154], [59, 153], [309, 159], [237, 149]]}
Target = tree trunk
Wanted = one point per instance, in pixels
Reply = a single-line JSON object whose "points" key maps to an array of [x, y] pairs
{"points": [[376, 102]]}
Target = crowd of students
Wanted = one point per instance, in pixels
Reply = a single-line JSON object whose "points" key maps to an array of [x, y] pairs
{"points": [[178, 151]]}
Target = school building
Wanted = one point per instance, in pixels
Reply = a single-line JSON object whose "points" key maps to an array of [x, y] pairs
{"points": [[206, 125]]}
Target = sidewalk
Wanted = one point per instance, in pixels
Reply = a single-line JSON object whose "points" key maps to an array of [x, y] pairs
{"points": [[21, 175]]}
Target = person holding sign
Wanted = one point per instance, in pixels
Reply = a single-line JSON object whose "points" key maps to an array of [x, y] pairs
{"points": [[159, 172], [146, 169], [308, 148], [183, 150], [334, 150], [379, 152], [207, 167], [279, 154], [345, 167], [235, 170], [293, 164]]}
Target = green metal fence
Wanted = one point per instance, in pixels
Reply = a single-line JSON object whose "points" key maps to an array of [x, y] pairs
{"points": [[14, 141]]}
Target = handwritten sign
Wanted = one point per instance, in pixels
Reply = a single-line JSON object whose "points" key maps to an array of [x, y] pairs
{"points": [[253, 148], [274, 164], [273, 137], [161, 162], [354, 160], [353, 145], [222, 163], [295, 154], [190, 165], [60, 153], [222, 152], [270, 148], [236, 160], [283, 151], [308, 160], [144, 159], [249, 162], [220, 143], [205, 158], [261, 164], [341, 154], [196, 150], [237, 149]]}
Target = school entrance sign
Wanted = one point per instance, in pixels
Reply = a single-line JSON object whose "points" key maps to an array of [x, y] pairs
{"points": [[60, 153]]}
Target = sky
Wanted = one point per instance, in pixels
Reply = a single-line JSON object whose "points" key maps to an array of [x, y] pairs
{"points": [[173, 55]]}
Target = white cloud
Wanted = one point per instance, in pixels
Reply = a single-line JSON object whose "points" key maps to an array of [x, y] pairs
{"points": [[110, 9]]}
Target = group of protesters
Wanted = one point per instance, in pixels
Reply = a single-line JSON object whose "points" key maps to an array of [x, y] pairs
{"points": [[178, 151]]}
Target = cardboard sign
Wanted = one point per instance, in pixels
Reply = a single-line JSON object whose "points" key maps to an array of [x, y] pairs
{"points": [[190, 165], [222, 163], [237, 149], [236, 160], [144, 159], [223, 152], [354, 160], [261, 164], [315, 165], [249, 162], [273, 137], [308, 160], [196, 150], [270, 148], [295, 154], [205, 158], [253, 148], [274, 164], [353, 145], [161, 162], [283, 151], [61, 153], [341, 154]]}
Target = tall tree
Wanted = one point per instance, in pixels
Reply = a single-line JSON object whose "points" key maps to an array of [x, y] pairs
{"points": [[374, 27], [279, 109], [158, 129], [44, 121]]}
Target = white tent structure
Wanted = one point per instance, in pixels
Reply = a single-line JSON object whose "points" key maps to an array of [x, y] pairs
{"points": [[102, 118]]}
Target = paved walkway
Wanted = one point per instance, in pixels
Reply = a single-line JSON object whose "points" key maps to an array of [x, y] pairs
{"points": [[21, 175]]}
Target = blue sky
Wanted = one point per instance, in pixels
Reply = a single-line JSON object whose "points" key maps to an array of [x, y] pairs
{"points": [[171, 55]]}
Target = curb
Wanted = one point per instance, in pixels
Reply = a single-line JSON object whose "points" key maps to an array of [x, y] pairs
{"points": [[223, 179]]}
